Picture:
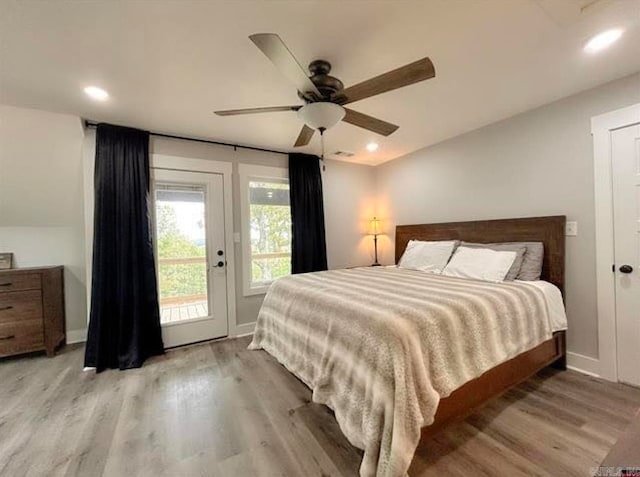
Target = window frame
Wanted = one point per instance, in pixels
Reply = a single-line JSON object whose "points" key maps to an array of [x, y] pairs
{"points": [[249, 173]]}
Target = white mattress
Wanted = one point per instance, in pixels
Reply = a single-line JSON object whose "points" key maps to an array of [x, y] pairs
{"points": [[555, 304]]}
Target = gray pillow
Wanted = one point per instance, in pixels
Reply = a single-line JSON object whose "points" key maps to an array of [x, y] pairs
{"points": [[519, 248], [532, 263]]}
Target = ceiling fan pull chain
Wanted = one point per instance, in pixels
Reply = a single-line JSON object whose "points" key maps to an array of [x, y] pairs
{"points": [[322, 146]]}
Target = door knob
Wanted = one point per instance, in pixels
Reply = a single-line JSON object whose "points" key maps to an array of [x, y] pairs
{"points": [[220, 253], [626, 269], [220, 264]]}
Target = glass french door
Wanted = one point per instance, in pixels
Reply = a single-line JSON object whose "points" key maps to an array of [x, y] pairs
{"points": [[190, 255]]}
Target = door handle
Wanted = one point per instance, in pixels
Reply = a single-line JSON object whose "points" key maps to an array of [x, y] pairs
{"points": [[6, 308], [626, 269], [7, 337]]}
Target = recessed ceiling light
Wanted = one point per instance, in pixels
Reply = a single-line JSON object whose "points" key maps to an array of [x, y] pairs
{"points": [[603, 40], [372, 147], [96, 93]]}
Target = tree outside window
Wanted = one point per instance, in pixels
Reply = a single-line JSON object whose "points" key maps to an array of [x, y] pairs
{"points": [[270, 225]]}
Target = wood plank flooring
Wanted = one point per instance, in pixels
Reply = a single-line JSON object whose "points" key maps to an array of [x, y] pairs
{"points": [[217, 409], [627, 450]]}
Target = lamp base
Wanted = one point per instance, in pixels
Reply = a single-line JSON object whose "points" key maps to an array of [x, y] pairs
{"points": [[375, 248]]}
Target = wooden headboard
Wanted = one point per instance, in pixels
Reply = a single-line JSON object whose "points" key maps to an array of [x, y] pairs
{"points": [[548, 230]]}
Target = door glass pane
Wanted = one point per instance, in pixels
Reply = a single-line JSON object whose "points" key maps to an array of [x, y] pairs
{"points": [[182, 251]]}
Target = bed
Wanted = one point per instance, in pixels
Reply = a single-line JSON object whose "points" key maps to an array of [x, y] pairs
{"points": [[399, 354]]}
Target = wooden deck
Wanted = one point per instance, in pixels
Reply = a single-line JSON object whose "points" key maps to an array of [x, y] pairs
{"points": [[171, 313]]}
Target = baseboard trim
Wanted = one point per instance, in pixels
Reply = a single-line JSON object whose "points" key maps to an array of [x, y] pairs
{"points": [[244, 329], [583, 364], [80, 336], [76, 336]]}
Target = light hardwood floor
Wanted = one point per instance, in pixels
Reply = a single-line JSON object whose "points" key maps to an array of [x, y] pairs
{"points": [[217, 409]]}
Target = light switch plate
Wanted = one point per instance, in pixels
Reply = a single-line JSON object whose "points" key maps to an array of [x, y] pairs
{"points": [[571, 229]]}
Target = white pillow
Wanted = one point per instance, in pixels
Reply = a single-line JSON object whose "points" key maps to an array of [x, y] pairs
{"points": [[480, 264], [429, 257]]}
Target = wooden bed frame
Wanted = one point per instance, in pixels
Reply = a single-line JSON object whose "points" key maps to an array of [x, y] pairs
{"points": [[548, 230]]}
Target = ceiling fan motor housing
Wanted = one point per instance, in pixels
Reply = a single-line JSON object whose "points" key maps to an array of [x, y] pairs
{"points": [[327, 85]]}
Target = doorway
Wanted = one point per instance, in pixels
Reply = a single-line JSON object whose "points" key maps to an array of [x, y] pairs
{"points": [[189, 229], [616, 139], [625, 165]]}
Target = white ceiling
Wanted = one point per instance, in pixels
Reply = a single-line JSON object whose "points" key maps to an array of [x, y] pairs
{"points": [[169, 64]]}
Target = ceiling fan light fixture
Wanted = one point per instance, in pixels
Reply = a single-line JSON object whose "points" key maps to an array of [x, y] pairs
{"points": [[321, 115]]}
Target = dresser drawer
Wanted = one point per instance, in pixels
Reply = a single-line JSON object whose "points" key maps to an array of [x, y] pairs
{"points": [[21, 305], [21, 336], [19, 281]]}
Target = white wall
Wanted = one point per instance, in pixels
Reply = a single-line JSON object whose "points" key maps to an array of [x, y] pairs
{"points": [[537, 163], [349, 205], [41, 199]]}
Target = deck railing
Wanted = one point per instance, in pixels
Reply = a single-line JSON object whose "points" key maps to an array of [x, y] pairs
{"points": [[181, 261], [182, 299], [258, 256], [174, 300]]}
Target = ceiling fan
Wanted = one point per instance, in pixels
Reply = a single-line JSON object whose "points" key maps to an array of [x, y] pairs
{"points": [[325, 95]]}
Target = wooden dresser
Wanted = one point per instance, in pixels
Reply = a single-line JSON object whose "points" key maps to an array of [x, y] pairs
{"points": [[31, 310]]}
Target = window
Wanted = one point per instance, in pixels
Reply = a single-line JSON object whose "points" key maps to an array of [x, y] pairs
{"points": [[266, 226]]}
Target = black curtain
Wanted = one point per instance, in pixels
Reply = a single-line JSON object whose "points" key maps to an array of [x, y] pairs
{"points": [[124, 328], [308, 246]]}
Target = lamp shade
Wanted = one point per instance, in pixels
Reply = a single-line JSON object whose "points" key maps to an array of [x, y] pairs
{"points": [[374, 227], [321, 115]]}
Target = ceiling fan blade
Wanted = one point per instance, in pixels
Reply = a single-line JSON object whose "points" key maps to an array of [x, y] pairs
{"points": [[369, 122], [404, 76], [306, 133], [269, 109], [274, 48]]}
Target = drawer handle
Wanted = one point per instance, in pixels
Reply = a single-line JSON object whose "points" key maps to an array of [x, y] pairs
{"points": [[6, 307], [7, 284], [8, 337]]}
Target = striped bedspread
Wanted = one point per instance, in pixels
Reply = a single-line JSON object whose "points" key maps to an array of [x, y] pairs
{"points": [[380, 346]]}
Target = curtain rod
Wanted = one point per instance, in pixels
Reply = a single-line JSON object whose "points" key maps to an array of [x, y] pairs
{"points": [[93, 124]]}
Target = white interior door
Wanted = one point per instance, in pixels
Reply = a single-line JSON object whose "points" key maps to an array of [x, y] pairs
{"points": [[190, 255], [625, 156]]}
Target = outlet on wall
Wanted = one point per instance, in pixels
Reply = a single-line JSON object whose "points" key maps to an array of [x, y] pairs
{"points": [[571, 229]]}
